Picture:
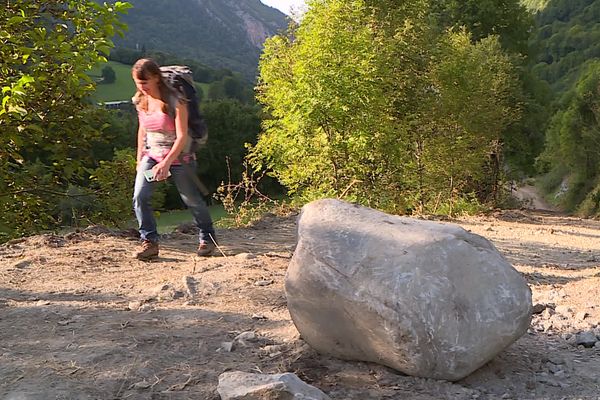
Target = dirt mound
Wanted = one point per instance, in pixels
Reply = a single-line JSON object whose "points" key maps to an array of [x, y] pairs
{"points": [[81, 319]]}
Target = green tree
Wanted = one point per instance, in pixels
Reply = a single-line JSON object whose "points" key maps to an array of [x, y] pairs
{"points": [[373, 112], [573, 138], [508, 19], [46, 122], [108, 74], [231, 126]]}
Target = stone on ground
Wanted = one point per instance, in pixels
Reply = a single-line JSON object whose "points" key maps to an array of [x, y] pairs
{"points": [[242, 385], [425, 298]]}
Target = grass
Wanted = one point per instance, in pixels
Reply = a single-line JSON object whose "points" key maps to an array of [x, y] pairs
{"points": [[123, 88], [168, 221]]}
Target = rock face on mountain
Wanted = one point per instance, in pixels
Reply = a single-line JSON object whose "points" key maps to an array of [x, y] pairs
{"points": [[218, 33]]}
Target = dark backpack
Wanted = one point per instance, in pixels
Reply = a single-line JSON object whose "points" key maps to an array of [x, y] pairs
{"points": [[181, 79]]}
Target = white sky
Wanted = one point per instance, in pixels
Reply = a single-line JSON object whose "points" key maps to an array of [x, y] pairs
{"points": [[284, 5]]}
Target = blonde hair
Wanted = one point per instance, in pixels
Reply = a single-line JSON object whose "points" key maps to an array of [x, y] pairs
{"points": [[144, 69]]}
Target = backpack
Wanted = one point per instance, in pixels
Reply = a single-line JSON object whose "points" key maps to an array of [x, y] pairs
{"points": [[180, 78]]}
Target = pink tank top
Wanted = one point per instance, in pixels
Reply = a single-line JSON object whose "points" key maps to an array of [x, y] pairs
{"points": [[160, 135]]}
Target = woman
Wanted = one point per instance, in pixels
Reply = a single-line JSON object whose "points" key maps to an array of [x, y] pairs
{"points": [[161, 147]]}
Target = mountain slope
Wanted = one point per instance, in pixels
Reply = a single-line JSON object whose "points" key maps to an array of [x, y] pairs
{"points": [[218, 33]]}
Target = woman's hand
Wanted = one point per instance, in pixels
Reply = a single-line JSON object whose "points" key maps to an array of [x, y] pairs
{"points": [[161, 171]]}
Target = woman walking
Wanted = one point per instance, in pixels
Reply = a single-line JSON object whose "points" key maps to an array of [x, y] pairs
{"points": [[162, 146]]}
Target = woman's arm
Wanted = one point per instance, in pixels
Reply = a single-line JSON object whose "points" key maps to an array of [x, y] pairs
{"points": [[181, 131]]}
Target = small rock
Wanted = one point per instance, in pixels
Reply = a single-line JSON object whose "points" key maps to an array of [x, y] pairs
{"points": [[245, 338], [237, 385], [547, 313], [134, 305], [554, 368], [190, 285], [586, 339], [581, 315], [226, 346], [538, 308], [142, 385], [564, 310], [245, 256], [556, 360], [263, 282], [23, 264], [145, 308], [258, 316]]}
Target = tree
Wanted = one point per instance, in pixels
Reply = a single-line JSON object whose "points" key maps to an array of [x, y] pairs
{"points": [[376, 110], [108, 74], [508, 19], [46, 122], [573, 137]]}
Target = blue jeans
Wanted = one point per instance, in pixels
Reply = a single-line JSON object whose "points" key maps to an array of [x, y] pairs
{"points": [[189, 192]]}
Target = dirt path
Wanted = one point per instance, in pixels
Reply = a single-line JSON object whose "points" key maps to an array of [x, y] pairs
{"points": [[79, 319]]}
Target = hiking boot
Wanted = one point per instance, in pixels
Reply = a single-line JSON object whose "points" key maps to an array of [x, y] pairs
{"points": [[205, 248], [148, 251]]}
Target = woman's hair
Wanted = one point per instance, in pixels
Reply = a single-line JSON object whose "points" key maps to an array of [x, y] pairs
{"points": [[145, 69]]}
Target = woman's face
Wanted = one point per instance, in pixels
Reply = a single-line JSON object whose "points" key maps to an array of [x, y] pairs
{"points": [[147, 86]]}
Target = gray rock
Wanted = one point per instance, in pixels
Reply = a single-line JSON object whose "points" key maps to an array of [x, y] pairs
{"points": [[242, 385], [586, 339], [425, 298]]}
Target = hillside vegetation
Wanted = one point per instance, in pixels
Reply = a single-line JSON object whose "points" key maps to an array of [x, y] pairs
{"points": [[218, 33], [567, 47]]}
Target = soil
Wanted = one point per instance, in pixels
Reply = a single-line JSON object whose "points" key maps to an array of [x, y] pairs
{"points": [[81, 319]]}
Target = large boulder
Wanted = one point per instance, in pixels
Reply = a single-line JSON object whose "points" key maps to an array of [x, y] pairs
{"points": [[425, 298]]}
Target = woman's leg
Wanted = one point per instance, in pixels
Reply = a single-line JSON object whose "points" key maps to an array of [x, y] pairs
{"points": [[142, 194], [191, 196]]}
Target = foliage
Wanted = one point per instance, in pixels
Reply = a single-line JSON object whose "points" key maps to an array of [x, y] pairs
{"points": [[508, 19], [573, 137], [242, 199], [47, 126], [108, 75], [231, 125], [568, 35], [386, 111]]}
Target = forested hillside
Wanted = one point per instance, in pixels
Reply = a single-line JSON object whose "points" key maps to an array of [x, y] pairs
{"points": [[567, 36], [218, 33], [565, 50]]}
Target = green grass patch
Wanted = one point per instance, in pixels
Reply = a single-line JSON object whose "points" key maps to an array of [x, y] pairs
{"points": [[123, 87], [169, 220]]}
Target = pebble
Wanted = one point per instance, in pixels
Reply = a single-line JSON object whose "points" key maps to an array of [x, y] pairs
{"points": [[263, 282], [226, 346], [587, 339], [581, 315], [245, 256], [134, 305]]}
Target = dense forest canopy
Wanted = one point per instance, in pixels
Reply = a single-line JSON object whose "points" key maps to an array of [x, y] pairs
{"points": [[565, 50]]}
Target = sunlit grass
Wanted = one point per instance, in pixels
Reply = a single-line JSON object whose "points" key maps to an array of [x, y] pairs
{"points": [[169, 220]]}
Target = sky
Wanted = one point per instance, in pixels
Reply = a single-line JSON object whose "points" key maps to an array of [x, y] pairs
{"points": [[284, 5]]}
